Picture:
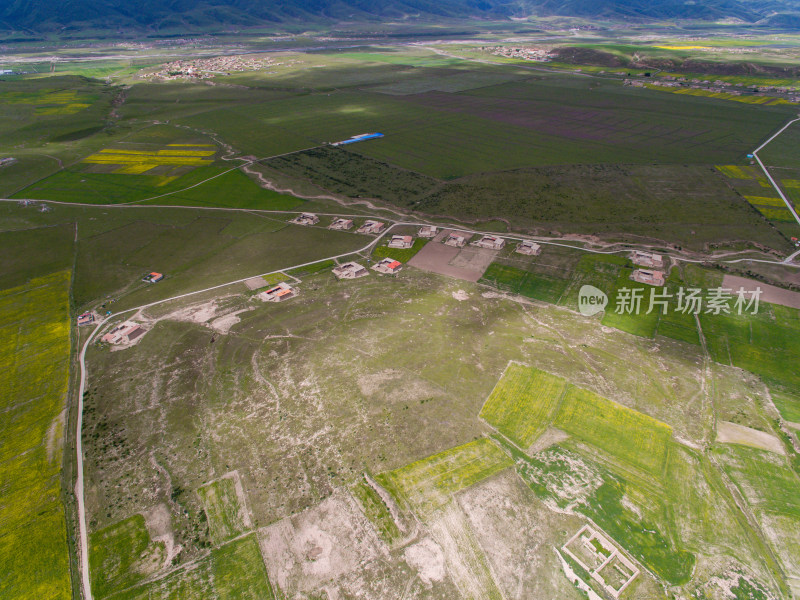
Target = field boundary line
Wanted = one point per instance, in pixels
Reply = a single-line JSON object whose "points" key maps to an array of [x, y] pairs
{"points": [[769, 176]]}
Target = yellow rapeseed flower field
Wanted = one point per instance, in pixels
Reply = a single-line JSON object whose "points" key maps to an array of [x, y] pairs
{"points": [[765, 201], [35, 352], [137, 162]]}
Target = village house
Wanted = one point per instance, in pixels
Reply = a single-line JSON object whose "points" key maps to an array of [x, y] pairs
{"points": [[648, 277], [647, 259], [153, 277], [388, 266], [491, 242], [455, 240], [86, 318], [427, 231], [371, 226], [350, 270], [341, 224], [529, 248], [401, 241], [278, 293], [305, 219], [124, 333]]}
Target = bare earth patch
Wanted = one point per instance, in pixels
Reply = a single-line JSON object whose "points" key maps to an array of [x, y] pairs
{"points": [[731, 433], [550, 437], [467, 264], [319, 545], [769, 293], [428, 559]]}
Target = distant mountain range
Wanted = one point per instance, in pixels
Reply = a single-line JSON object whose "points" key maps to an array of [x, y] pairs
{"points": [[204, 15]]}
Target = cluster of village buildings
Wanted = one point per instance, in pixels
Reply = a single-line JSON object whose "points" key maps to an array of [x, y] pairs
{"points": [[534, 54], [650, 271], [205, 68], [653, 273]]}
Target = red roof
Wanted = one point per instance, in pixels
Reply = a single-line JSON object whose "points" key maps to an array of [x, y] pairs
{"points": [[394, 264]]}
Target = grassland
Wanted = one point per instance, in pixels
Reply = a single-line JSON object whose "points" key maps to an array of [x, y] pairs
{"points": [[427, 485], [389, 374], [234, 570], [48, 122], [787, 405], [35, 349], [686, 205], [222, 507], [772, 489], [376, 511], [523, 403], [489, 119], [36, 252], [352, 174]]}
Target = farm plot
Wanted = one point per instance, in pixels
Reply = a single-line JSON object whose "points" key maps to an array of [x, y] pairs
{"points": [[767, 344], [34, 349], [523, 403], [234, 570], [757, 190], [637, 321], [48, 101], [227, 517], [401, 254], [122, 555], [626, 434], [519, 281], [576, 484], [427, 485], [172, 159]]}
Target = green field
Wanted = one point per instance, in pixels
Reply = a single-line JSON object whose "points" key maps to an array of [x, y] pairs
{"points": [[225, 515], [638, 322], [401, 254], [633, 437], [788, 405], [523, 403], [427, 485], [121, 555], [767, 344], [528, 284], [35, 349]]}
